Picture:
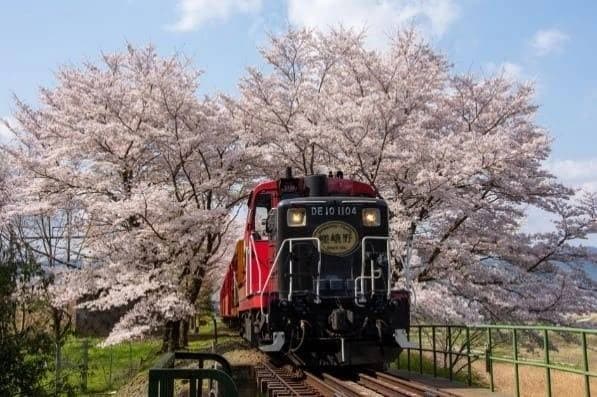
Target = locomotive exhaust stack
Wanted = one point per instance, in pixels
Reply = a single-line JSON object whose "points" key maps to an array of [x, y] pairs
{"points": [[317, 185], [312, 276]]}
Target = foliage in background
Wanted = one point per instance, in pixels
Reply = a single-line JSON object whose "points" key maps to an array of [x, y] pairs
{"points": [[152, 173], [125, 184], [25, 344], [457, 157], [89, 368]]}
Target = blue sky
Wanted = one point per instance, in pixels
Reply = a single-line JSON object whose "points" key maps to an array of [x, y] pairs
{"points": [[550, 42]]}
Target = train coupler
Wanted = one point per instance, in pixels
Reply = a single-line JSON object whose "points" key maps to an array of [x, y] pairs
{"points": [[401, 338], [276, 345]]}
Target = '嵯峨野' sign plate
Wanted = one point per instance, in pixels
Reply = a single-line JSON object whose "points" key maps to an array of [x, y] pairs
{"points": [[337, 238]]}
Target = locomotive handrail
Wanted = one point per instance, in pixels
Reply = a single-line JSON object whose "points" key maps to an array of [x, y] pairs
{"points": [[254, 249], [275, 262], [363, 264], [248, 270]]}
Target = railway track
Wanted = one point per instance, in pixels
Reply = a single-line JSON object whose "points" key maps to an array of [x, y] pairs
{"points": [[282, 381], [279, 381], [391, 385]]}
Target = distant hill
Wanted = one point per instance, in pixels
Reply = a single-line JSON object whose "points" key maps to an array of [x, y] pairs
{"points": [[591, 267]]}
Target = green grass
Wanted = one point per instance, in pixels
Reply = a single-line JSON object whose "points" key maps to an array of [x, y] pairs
{"points": [[107, 368], [203, 340]]}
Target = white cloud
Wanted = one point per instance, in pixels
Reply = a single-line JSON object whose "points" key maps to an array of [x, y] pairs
{"points": [[509, 70], [6, 136], [576, 173], [538, 221], [573, 173], [547, 41], [379, 18], [194, 13]]}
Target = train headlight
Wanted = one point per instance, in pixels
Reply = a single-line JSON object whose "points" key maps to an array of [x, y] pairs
{"points": [[296, 217], [371, 217]]}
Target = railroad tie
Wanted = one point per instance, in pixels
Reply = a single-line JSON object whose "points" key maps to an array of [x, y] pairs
{"points": [[426, 390], [386, 388], [280, 382]]}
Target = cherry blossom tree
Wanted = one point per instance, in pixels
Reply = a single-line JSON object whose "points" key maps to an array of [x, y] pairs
{"points": [[140, 178], [459, 159], [151, 169]]}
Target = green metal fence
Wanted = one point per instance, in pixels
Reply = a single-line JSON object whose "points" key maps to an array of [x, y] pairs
{"points": [[163, 375], [461, 345]]}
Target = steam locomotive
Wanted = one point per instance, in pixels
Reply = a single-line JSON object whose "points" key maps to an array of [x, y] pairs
{"points": [[312, 276]]}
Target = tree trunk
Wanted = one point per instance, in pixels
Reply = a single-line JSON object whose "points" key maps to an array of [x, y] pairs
{"points": [[174, 343], [184, 337], [166, 336], [171, 337], [192, 294], [58, 340]]}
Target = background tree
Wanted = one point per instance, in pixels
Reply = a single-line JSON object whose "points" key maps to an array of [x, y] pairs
{"points": [[25, 344], [152, 169], [459, 159], [123, 155]]}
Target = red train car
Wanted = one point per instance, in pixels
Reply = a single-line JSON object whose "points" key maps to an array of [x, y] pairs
{"points": [[312, 275]]}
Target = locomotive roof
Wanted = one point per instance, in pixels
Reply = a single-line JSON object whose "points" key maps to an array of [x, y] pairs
{"points": [[339, 200], [335, 187]]}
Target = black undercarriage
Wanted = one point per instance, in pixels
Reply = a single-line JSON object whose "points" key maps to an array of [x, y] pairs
{"points": [[335, 331]]}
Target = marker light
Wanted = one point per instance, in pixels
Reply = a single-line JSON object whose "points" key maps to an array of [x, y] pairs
{"points": [[371, 217], [296, 217]]}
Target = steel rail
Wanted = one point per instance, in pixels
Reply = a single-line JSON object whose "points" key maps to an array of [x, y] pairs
{"points": [[414, 386], [325, 389], [278, 382], [345, 389], [387, 388]]}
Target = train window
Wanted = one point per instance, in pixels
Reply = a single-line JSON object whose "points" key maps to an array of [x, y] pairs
{"points": [[263, 204], [272, 222]]}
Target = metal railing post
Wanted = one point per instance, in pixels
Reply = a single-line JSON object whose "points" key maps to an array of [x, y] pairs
{"points": [[215, 322], [450, 352], [585, 362], [420, 350], [488, 358], [162, 377], [468, 356], [408, 351], [546, 360], [193, 388], [450, 340], [434, 351], [515, 354]]}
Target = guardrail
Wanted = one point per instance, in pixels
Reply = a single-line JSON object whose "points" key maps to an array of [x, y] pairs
{"points": [[163, 375], [458, 342]]}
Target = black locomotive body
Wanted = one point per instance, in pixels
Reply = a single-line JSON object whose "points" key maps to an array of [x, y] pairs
{"points": [[328, 297]]}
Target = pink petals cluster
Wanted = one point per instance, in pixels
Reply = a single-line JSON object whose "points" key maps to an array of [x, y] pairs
{"points": [[152, 176]]}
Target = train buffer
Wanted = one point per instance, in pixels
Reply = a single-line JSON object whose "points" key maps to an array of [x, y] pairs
{"points": [[217, 378]]}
